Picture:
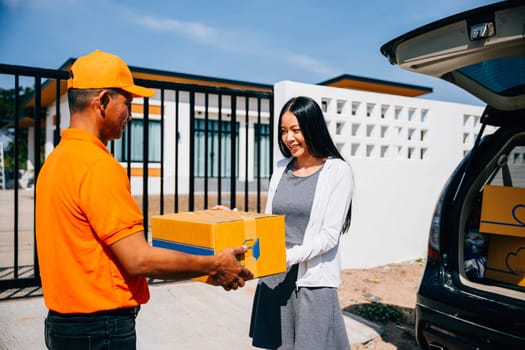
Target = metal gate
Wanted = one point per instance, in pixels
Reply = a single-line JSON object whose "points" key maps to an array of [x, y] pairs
{"points": [[190, 147]]}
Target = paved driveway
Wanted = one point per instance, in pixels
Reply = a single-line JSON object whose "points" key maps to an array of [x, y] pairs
{"points": [[183, 315]]}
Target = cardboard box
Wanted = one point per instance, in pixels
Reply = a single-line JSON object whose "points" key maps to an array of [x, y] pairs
{"points": [[506, 259], [503, 217], [207, 232], [503, 211]]}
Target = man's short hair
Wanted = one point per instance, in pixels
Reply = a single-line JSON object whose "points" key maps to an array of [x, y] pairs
{"points": [[79, 99]]}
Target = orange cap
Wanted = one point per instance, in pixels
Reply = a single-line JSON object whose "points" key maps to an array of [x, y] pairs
{"points": [[99, 70]]}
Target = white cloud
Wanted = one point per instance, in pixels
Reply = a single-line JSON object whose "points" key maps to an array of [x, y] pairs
{"points": [[192, 29], [311, 64], [235, 43]]}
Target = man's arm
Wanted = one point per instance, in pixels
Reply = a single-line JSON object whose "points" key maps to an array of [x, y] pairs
{"points": [[140, 259]]}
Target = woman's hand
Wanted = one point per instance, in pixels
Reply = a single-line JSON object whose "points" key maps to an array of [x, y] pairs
{"points": [[222, 207]]}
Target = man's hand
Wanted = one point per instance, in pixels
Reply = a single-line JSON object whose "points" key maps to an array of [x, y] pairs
{"points": [[228, 272]]}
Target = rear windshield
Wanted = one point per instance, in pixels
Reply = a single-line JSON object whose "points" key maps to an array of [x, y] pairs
{"points": [[504, 76]]}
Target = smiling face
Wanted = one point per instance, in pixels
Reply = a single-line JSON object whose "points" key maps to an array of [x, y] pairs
{"points": [[292, 136]]}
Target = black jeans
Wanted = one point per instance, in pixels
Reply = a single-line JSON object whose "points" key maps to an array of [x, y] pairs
{"points": [[113, 330]]}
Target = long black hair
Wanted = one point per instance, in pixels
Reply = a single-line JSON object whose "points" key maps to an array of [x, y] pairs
{"points": [[315, 133]]}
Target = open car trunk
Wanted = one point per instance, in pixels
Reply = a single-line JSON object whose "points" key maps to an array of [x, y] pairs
{"points": [[483, 52], [491, 230]]}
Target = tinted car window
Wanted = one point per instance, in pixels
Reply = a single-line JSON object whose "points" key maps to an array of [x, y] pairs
{"points": [[504, 76]]}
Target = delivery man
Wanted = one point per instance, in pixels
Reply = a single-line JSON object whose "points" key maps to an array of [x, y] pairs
{"points": [[93, 255]]}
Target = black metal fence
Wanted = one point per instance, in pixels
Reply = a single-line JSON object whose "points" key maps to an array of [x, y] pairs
{"points": [[220, 166]]}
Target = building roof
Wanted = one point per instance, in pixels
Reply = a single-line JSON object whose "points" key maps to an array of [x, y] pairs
{"points": [[343, 81], [347, 81]]}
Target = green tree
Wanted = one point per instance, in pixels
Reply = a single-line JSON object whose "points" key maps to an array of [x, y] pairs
{"points": [[7, 126]]}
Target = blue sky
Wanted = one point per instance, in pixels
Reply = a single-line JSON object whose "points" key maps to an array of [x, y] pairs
{"points": [[255, 41]]}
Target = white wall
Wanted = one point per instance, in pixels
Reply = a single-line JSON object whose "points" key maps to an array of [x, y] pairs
{"points": [[394, 196]]}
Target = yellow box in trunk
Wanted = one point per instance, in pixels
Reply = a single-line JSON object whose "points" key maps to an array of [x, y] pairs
{"points": [[503, 217], [207, 232], [503, 211], [506, 259]]}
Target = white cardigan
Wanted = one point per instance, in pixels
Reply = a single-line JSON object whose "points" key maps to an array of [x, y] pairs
{"points": [[319, 257]]}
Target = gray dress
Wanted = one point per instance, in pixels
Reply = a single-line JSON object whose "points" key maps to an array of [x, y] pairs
{"points": [[286, 317]]}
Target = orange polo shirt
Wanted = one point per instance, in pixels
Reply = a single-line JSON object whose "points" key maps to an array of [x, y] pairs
{"points": [[83, 205]]}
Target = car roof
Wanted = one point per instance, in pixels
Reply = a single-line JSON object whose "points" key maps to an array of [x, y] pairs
{"points": [[480, 50]]}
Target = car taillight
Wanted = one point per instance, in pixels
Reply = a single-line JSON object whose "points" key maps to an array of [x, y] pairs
{"points": [[434, 237]]}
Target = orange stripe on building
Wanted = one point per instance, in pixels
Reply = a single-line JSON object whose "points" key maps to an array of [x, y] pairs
{"points": [[152, 172]]}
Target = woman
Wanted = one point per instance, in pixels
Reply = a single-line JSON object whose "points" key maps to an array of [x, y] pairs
{"points": [[313, 188]]}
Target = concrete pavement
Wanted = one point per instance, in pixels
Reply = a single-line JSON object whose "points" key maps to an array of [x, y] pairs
{"points": [[184, 315]]}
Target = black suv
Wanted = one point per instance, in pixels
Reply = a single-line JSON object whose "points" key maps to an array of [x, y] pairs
{"points": [[472, 294]]}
